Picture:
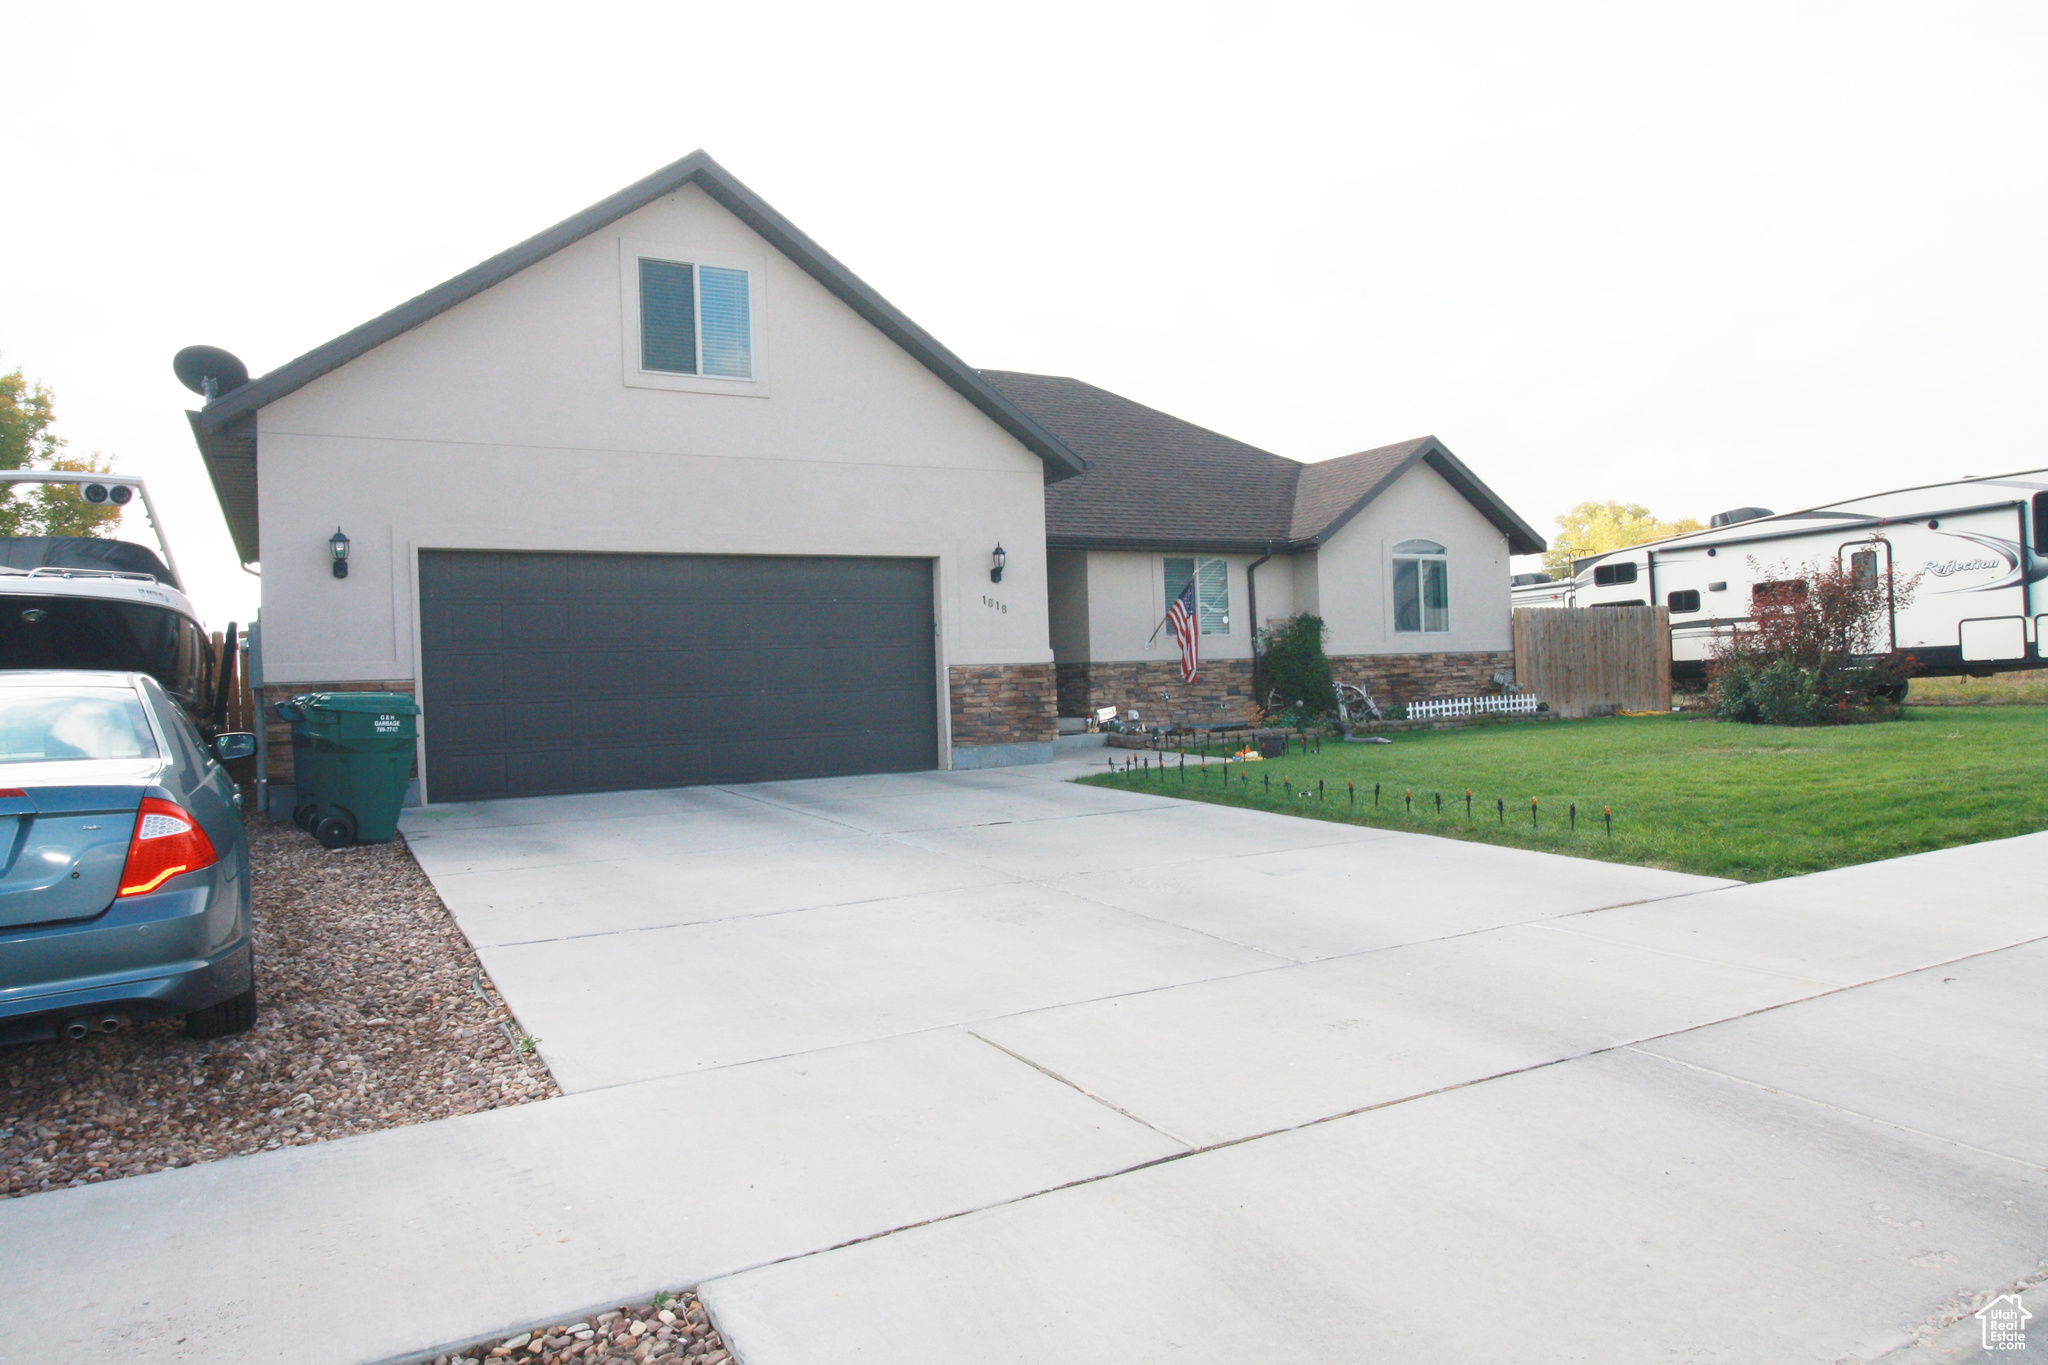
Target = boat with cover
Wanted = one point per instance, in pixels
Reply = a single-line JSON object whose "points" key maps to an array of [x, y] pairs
{"points": [[88, 602]]}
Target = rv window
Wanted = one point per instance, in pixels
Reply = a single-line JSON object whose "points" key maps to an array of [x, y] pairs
{"points": [[1782, 593], [2040, 522], [1684, 601], [1863, 568], [1607, 575]]}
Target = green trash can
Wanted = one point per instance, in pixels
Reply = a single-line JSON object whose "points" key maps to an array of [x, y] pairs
{"points": [[352, 756]]}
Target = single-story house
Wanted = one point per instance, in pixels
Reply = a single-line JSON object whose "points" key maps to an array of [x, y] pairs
{"points": [[666, 495], [1402, 551]]}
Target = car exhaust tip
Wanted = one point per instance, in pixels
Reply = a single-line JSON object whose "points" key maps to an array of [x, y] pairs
{"points": [[77, 1029], [110, 1023]]}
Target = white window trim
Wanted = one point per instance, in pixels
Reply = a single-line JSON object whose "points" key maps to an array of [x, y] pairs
{"points": [[1229, 589], [1393, 602], [631, 252]]}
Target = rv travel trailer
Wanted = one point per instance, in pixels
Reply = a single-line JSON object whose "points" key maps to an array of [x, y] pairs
{"points": [[89, 602], [1978, 548]]}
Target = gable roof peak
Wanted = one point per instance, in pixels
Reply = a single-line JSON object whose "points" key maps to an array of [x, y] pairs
{"points": [[697, 168], [1334, 491]]}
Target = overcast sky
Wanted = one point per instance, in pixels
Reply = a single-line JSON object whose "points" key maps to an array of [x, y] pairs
{"points": [[1695, 257]]}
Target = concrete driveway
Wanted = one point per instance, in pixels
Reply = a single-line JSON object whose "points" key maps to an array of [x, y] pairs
{"points": [[988, 1067], [656, 933]]}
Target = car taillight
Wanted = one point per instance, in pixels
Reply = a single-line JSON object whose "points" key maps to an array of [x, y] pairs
{"points": [[166, 842]]}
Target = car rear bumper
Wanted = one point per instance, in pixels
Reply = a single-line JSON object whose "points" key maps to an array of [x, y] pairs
{"points": [[146, 957]]}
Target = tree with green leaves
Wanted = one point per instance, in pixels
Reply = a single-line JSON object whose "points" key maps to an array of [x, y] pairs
{"points": [[1594, 528], [28, 411]]}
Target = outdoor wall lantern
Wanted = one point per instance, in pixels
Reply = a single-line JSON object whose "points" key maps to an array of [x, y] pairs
{"points": [[995, 573], [338, 544]]}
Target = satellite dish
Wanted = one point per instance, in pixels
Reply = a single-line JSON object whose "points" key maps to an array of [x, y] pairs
{"points": [[209, 371]]}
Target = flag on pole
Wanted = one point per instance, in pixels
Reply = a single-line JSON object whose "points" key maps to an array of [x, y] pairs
{"points": [[1182, 617]]}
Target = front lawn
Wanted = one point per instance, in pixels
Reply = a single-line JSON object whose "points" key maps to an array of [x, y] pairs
{"points": [[1690, 794]]}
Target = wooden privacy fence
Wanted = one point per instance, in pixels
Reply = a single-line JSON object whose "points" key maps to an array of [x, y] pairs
{"points": [[1592, 660], [231, 662]]}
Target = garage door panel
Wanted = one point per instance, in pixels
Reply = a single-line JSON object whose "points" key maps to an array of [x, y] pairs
{"points": [[557, 768], [541, 626], [523, 578], [477, 578], [473, 726], [667, 623], [673, 578], [470, 675], [548, 673], [474, 773], [731, 712], [610, 625], [465, 625], [542, 675], [543, 724]]}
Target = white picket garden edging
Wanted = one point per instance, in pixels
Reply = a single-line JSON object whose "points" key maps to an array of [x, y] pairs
{"points": [[1518, 704]]}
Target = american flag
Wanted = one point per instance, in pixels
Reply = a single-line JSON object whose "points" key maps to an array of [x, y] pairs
{"points": [[1181, 616]]}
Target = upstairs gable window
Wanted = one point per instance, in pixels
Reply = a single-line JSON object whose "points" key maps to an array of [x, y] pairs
{"points": [[1422, 588], [1212, 589], [695, 319]]}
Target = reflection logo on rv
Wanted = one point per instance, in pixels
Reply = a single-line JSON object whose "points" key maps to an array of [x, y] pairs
{"points": [[2011, 555]]}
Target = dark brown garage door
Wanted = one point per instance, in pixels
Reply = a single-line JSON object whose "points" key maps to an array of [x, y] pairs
{"points": [[548, 673]]}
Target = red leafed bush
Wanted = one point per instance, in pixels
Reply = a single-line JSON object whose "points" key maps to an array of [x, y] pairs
{"points": [[1816, 649]]}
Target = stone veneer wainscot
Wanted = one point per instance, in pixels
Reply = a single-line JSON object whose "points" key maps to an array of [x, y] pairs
{"points": [[1223, 693], [1002, 703], [1392, 678], [1220, 695]]}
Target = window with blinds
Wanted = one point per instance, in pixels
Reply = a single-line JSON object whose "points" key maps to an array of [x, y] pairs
{"points": [[1212, 589], [695, 319], [1422, 587]]}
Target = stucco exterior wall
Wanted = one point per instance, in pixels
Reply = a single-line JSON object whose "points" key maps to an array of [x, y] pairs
{"points": [[1348, 581], [1066, 588], [1301, 573], [1353, 576], [510, 423], [1127, 601]]}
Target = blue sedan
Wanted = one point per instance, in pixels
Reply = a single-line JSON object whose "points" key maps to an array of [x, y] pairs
{"points": [[124, 868]]}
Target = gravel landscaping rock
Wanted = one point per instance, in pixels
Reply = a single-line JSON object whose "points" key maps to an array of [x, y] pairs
{"points": [[372, 1013], [673, 1330]]}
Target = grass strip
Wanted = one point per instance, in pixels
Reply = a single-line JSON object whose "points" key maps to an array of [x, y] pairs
{"points": [[1688, 793]]}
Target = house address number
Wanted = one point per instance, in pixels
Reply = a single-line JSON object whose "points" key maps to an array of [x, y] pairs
{"points": [[993, 605]]}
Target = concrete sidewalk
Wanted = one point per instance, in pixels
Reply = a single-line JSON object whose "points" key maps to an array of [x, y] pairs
{"points": [[957, 1067]]}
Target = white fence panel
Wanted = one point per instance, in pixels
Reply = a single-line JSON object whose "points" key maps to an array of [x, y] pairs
{"points": [[1518, 704]]}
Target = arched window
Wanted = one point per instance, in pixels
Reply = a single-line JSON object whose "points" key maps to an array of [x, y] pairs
{"points": [[1422, 587]]}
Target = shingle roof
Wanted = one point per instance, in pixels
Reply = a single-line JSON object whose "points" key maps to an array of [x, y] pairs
{"points": [[229, 413], [1332, 489], [1156, 482], [1149, 472]]}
